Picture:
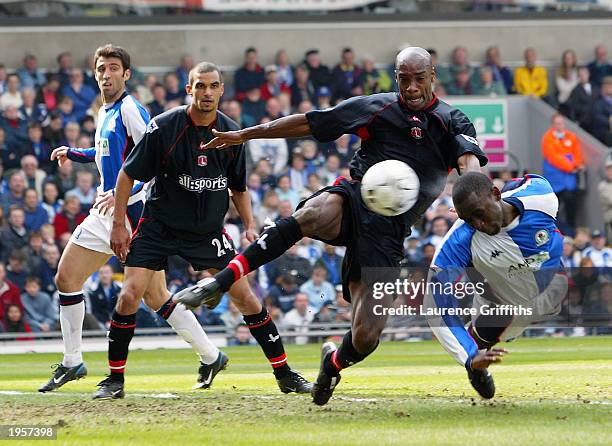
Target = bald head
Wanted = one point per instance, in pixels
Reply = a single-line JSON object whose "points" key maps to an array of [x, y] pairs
{"points": [[413, 55]]}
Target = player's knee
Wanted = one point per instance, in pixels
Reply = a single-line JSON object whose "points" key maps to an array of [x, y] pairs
{"points": [[63, 281], [308, 218], [130, 295]]}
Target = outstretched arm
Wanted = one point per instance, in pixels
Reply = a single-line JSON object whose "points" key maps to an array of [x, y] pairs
{"points": [[293, 126]]}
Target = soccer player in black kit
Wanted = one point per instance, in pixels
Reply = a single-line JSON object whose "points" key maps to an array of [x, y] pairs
{"points": [[184, 215], [412, 126]]}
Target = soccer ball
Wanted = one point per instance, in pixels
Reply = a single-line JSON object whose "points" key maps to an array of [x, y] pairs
{"points": [[390, 187]]}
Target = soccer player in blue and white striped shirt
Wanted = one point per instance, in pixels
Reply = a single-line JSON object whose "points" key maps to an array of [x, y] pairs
{"points": [[510, 241]]}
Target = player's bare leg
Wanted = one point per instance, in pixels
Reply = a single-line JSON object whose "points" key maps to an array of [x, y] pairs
{"points": [[357, 344], [121, 330], [264, 330], [321, 217], [212, 361], [75, 266]]}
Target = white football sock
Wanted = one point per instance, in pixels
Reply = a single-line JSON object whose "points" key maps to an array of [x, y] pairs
{"points": [[71, 320], [187, 326]]}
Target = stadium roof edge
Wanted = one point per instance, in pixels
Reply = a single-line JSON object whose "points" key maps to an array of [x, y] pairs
{"points": [[212, 18]]}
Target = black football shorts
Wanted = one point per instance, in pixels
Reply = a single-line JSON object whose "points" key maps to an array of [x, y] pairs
{"points": [[153, 242]]}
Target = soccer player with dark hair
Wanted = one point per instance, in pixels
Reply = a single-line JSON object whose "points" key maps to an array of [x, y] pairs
{"points": [[184, 215], [121, 123], [412, 126], [510, 239]]}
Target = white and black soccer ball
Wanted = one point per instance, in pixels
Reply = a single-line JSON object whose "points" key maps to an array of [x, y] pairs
{"points": [[390, 187]]}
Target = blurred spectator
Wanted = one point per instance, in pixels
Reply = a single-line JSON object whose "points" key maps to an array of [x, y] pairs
{"points": [[82, 95], [182, 71], [428, 250], [319, 74], [460, 64], [53, 134], [605, 197], [566, 78], [531, 79], [581, 99], [33, 176], [273, 109], [562, 161], [343, 150], [65, 67], [9, 293], [345, 76], [568, 259], [38, 147], [14, 321], [443, 76], [284, 69], [84, 190], [30, 111], [250, 76], [600, 67], [298, 318], [269, 208], [145, 92], [439, 228], [372, 80], [34, 252], [317, 288], [12, 94], [272, 87], [233, 109], [174, 92], [103, 295], [242, 336], [501, 73], [3, 76], [48, 95], [41, 314], [29, 74], [63, 178], [303, 89], [343, 307], [89, 73], [70, 217], [253, 106], [35, 214], [48, 267], [412, 248], [65, 107], [598, 252], [158, 104], [488, 86], [585, 276], [232, 317], [297, 173], [461, 84], [263, 168], [331, 171], [286, 193], [602, 113], [332, 263], [14, 196], [16, 130], [16, 270], [323, 98], [14, 235], [255, 191], [282, 294], [284, 102], [310, 249], [274, 150]]}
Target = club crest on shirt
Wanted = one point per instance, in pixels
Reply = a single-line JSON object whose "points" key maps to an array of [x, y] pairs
{"points": [[202, 160], [151, 126], [416, 132], [541, 237]]}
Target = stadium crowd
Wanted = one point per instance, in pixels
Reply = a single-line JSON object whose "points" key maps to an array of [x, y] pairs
{"points": [[41, 203]]}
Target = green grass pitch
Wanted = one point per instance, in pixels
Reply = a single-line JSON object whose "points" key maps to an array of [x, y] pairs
{"points": [[549, 392]]}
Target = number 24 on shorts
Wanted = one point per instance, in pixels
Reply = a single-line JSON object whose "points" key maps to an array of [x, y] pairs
{"points": [[217, 244]]}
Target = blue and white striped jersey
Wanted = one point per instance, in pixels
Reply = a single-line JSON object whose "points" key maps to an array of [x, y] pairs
{"points": [[518, 263], [121, 126]]}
